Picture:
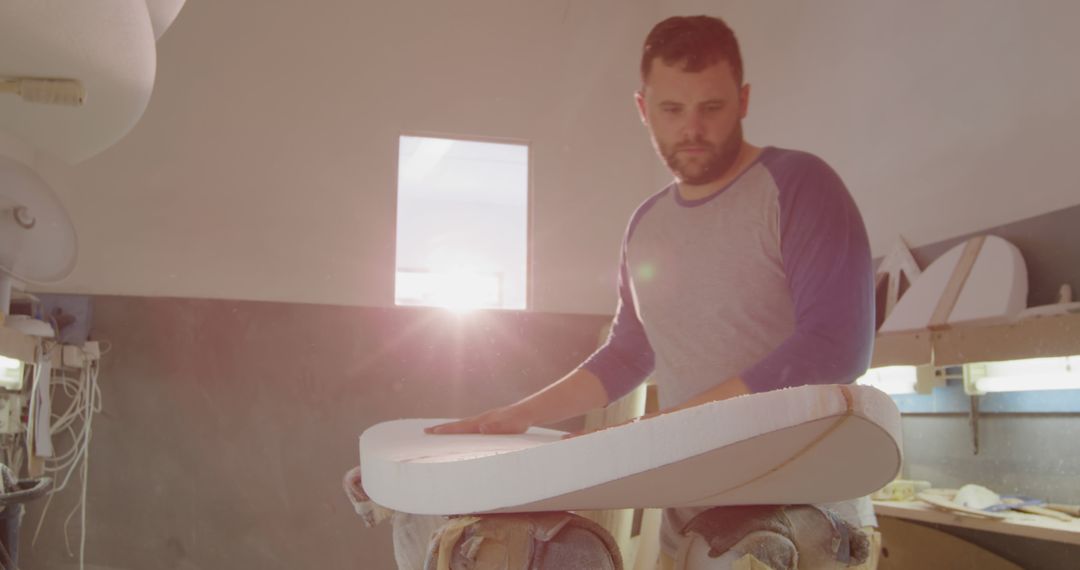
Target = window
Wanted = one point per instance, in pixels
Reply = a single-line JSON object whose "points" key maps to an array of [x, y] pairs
{"points": [[462, 223]]}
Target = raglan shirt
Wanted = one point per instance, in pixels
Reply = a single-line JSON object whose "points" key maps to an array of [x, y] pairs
{"points": [[768, 280]]}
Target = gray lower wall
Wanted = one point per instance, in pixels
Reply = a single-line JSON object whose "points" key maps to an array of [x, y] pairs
{"points": [[227, 425], [1029, 454]]}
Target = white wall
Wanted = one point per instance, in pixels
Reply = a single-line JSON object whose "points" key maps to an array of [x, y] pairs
{"points": [[264, 167]]}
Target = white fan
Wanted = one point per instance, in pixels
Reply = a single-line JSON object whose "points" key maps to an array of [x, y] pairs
{"points": [[37, 238]]}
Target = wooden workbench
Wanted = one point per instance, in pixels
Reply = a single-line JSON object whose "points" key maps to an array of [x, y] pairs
{"points": [[1017, 524]]}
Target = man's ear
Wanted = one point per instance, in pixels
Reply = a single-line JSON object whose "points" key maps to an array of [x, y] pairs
{"points": [[639, 98]]}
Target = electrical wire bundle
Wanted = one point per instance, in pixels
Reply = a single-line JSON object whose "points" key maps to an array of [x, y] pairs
{"points": [[75, 422]]}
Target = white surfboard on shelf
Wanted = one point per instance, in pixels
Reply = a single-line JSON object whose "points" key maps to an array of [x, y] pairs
{"points": [[982, 281]]}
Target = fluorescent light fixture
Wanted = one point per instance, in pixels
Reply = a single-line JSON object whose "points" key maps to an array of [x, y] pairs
{"points": [[892, 380], [11, 374], [1054, 373]]}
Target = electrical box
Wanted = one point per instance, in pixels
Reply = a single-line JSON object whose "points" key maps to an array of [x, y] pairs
{"points": [[72, 356]]}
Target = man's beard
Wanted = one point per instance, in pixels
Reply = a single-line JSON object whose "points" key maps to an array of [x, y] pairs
{"points": [[718, 160]]}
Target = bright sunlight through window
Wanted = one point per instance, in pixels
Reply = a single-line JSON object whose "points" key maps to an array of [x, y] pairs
{"points": [[462, 223]]}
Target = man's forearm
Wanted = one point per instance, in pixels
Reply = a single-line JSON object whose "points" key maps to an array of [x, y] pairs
{"points": [[571, 396], [730, 388]]}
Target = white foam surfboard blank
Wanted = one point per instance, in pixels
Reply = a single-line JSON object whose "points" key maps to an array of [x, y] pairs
{"points": [[811, 444], [995, 289]]}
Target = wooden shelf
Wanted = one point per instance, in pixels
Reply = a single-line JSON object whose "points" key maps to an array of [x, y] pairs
{"points": [[1037, 337], [14, 344], [1017, 524]]}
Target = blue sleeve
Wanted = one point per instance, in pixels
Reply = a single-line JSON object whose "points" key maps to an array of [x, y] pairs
{"points": [[626, 358], [826, 258]]}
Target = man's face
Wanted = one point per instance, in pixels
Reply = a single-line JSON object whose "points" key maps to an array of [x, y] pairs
{"points": [[695, 119]]}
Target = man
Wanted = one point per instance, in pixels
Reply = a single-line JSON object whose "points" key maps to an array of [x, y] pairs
{"points": [[750, 272]]}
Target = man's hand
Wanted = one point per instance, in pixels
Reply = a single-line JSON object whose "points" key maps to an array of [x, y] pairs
{"points": [[505, 420], [369, 512], [351, 483]]}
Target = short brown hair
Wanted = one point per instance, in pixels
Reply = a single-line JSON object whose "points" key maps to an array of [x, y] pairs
{"points": [[695, 41]]}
